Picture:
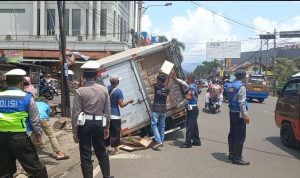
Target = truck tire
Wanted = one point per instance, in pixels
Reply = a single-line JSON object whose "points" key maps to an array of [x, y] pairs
{"points": [[287, 135], [261, 100]]}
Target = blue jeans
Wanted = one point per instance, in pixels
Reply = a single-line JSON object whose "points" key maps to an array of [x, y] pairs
{"points": [[158, 131]]}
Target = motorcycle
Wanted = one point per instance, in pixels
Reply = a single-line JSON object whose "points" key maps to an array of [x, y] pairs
{"points": [[53, 87], [213, 106], [47, 92]]}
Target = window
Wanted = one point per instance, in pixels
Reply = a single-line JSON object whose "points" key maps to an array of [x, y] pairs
{"points": [[50, 22], [121, 30], [76, 17], [87, 22], [12, 11], [125, 31], [38, 22], [292, 89], [67, 22], [103, 22], [114, 27], [118, 26]]}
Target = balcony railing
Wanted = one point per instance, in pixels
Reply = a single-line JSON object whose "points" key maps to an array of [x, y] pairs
{"points": [[75, 32]]}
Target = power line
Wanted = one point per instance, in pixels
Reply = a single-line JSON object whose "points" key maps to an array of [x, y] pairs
{"points": [[230, 19]]}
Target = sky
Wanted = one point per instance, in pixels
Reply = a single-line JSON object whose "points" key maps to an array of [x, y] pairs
{"points": [[195, 25]]}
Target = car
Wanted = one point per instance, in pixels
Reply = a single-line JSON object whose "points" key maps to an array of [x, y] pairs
{"points": [[287, 112]]}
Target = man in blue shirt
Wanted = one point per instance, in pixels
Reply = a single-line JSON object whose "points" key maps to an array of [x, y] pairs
{"points": [[116, 100], [45, 111]]}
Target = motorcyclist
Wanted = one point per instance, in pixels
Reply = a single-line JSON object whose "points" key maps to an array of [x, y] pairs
{"points": [[215, 91], [43, 84]]}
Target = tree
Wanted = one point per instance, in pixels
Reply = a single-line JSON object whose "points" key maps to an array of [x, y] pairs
{"points": [[207, 68], [179, 47], [285, 68], [163, 38]]}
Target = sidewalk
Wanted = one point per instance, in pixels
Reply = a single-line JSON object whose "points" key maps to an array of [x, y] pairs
{"points": [[65, 140]]}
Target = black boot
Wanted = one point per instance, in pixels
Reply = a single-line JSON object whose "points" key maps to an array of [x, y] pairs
{"points": [[105, 167], [230, 146], [87, 170], [237, 154]]}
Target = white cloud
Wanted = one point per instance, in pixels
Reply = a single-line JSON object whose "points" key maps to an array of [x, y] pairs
{"points": [[288, 24], [199, 26], [146, 23]]}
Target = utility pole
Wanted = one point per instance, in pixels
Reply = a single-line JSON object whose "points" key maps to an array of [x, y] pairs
{"points": [[260, 57], [139, 17], [274, 64], [65, 97], [266, 74]]}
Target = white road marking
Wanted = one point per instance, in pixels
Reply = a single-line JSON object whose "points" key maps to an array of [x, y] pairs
{"points": [[121, 156], [96, 171], [128, 156], [270, 113]]}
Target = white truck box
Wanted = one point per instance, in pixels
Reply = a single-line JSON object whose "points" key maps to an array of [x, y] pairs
{"points": [[138, 68]]}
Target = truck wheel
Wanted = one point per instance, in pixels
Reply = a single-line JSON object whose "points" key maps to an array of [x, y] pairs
{"points": [[287, 135], [261, 100]]}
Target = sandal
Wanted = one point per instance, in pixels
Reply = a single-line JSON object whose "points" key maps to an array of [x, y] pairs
{"points": [[64, 157]]}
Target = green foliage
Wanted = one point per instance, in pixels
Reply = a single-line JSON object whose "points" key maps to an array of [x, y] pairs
{"points": [[285, 68], [207, 68], [179, 47]]}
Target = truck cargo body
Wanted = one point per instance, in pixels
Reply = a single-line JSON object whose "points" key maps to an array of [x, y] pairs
{"points": [[138, 68]]}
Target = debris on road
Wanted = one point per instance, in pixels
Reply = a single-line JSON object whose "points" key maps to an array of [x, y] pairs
{"points": [[134, 143]]}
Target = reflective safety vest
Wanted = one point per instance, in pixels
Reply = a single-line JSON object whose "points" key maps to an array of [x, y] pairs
{"points": [[194, 99], [232, 93], [14, 108]]}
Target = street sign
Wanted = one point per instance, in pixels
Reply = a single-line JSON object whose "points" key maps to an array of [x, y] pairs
{"points": [[267, 36], [289, 34]]}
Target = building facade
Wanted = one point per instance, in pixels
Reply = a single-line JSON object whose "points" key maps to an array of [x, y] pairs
{"points": [[93, 28]]}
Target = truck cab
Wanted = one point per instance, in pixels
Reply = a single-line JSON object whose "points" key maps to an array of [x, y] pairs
{"points": [[287, 112]]}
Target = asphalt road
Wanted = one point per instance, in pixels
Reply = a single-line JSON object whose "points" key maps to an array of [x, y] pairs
{"points": [[268, 157]]}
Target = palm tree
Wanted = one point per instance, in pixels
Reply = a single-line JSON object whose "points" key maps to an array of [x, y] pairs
{"points": [[179, 47], [163, 38]]}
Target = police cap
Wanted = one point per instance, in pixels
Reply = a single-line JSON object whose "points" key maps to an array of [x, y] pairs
{"points": [[240, 73], [91, 66], [16, 72]]}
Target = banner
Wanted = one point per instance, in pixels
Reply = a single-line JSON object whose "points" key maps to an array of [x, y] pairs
{"points": [[13, 56]]}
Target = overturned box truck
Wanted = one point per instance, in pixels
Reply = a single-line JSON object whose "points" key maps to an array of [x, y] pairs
{"points": [[139, 68]]}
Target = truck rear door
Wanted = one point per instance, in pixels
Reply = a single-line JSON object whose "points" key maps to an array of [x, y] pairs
{"points": [[133, 115]]}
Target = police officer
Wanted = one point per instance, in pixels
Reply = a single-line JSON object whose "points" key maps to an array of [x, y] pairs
{"points": [[93, 101], [238, 118], [192, 131], [18, 113]]}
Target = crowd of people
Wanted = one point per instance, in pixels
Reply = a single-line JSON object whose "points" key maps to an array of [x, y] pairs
{"points": [[96, 121]]}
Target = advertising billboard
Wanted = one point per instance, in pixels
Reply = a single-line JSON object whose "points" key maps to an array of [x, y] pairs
{"points": [[221, 50], [14, 56]]}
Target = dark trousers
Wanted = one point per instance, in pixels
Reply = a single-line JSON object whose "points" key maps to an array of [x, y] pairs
{"points": [[237, 133], [114, 133], [18, 146], [192, 131], [92, 134]]}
